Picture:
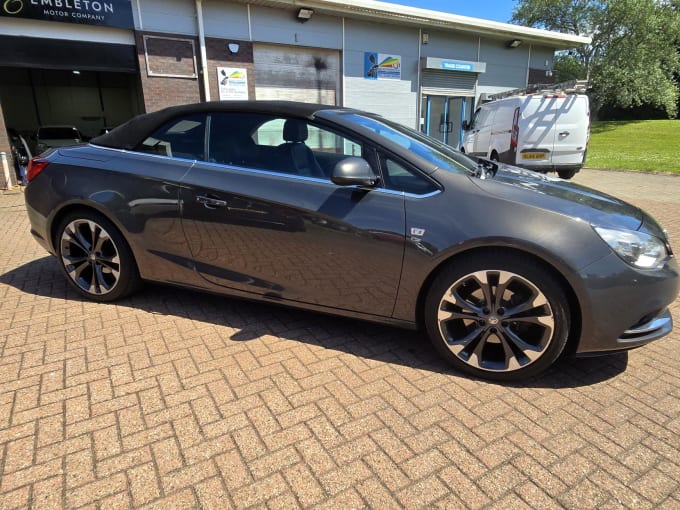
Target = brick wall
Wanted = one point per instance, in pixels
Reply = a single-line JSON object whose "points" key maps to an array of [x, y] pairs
{"points": [[168, 56], [218, 55]]}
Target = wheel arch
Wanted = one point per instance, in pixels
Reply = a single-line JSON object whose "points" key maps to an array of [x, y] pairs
{"points": [[67, 209], [574, 307]]}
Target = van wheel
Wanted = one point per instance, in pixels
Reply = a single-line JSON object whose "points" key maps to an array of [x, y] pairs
{"points": [[566, 174], [494, 156], [498, 316]]}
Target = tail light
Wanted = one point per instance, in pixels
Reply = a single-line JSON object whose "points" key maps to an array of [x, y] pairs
{"points": [[35, 166], [514, 134]]}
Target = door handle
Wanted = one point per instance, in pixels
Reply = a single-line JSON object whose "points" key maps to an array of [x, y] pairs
{"points": [[564, 133], [210, 202]]}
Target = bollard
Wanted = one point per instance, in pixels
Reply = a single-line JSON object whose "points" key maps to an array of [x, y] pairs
{"points": [[5, 170]]}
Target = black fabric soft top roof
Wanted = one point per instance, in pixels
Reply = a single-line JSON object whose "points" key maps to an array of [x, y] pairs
{"points": [[130, 134]]}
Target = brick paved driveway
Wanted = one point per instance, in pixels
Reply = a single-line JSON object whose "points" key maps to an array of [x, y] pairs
{"points": [[176, 399]]}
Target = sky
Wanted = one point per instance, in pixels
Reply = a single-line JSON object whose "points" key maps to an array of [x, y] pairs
{"points": [[495, 10]]}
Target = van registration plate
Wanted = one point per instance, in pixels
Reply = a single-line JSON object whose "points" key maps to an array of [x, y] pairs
{"points": [[534, 155]]}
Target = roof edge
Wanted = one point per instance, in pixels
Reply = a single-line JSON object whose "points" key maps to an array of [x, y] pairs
{"points": [[374, 9]]}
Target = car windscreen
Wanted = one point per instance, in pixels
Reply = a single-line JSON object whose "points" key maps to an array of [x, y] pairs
{"points": [[58, 133], [429, 149]]}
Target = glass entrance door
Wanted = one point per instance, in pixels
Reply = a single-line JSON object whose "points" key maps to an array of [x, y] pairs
{"points": [[444, 116]]}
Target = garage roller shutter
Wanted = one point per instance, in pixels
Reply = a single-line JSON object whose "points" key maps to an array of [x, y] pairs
{"points": [[309, 75], [448, 83]]}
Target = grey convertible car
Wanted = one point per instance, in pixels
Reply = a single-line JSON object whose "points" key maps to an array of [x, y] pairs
{"points": [[342, 211]]}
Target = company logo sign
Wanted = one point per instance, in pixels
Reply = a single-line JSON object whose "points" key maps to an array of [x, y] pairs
{"points": [[113, 13], [232, 82], [381, 66]]}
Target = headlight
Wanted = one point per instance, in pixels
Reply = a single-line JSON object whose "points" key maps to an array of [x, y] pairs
{"points": [[637, 248]]}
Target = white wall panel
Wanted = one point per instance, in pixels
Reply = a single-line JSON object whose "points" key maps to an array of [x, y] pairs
{"points": [[171, 16], [225, 20], [280, 26], [506, 67], [539, 55], [450, 46], [394, 99]]}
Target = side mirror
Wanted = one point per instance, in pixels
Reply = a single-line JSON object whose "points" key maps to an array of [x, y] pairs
{"points": [[353, 171], [465, 125]]}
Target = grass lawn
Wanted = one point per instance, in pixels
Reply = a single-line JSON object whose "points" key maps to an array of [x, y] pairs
{"points": [[652, 145]]}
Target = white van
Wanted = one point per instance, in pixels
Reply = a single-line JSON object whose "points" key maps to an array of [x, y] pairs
{"points": [[539, 132]]}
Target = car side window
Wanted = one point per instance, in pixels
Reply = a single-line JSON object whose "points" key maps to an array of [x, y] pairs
{"points": [[399, 177], [277, 144], [182, 137]]}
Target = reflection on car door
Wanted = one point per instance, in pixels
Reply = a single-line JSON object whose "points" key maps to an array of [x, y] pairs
{"points": [[303, 239]]}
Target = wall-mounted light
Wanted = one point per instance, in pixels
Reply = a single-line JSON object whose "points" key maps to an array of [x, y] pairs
{"points": [[304, 14], [233, 47], [426, 38], [513, 43]]}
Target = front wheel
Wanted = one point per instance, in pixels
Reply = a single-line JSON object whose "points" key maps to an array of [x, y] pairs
{"points": [[498, 316], [95, 257]]}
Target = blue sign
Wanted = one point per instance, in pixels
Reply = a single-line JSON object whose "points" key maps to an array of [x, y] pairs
{"points": [[454, 65]]}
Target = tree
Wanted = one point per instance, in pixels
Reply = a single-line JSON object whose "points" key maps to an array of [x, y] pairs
{"points": [[567, 67], [633, 57]]}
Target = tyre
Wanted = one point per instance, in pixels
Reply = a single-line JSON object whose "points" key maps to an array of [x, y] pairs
{"points": [[566, 174], [498, 316], [95, 257], [494, 156]]}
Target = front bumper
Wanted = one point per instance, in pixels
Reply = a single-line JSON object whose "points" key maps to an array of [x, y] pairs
{"points": [[622, 307]]}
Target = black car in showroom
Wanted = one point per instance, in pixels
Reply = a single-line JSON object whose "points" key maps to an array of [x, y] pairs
{"points": [[342, 211]]}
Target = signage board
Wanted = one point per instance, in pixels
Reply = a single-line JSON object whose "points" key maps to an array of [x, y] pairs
{"points": [[110, 13], [382, 66], [233, 83]]}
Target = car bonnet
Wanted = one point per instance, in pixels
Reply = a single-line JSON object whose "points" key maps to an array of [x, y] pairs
{"points": [[561, 196]]}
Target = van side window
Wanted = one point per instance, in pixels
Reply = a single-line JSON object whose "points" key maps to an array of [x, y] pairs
{"points": [[483, 117], [475, 117]]}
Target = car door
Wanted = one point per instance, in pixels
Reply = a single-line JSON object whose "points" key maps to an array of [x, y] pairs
{"points": [[258, 223]]}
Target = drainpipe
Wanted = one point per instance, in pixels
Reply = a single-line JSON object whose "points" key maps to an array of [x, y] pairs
{"points": [[526, 84], [204, 56]]}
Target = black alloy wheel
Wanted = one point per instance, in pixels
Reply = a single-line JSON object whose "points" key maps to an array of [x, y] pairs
{"points": [[95, 257], [499, 317]]}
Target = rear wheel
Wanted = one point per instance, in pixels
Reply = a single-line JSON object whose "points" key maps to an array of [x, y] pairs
{"points": [[566, 174], [494, 156], [95, 257], [498, 316]]}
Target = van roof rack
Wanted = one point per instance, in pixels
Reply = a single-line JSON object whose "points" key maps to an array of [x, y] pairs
{"points": [[565, 87]]}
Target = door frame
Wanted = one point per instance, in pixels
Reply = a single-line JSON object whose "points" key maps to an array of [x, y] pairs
{"points": [[447, 108]]}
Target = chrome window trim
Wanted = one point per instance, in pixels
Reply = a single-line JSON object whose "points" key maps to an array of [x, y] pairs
{"points": [[271, 173]]}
